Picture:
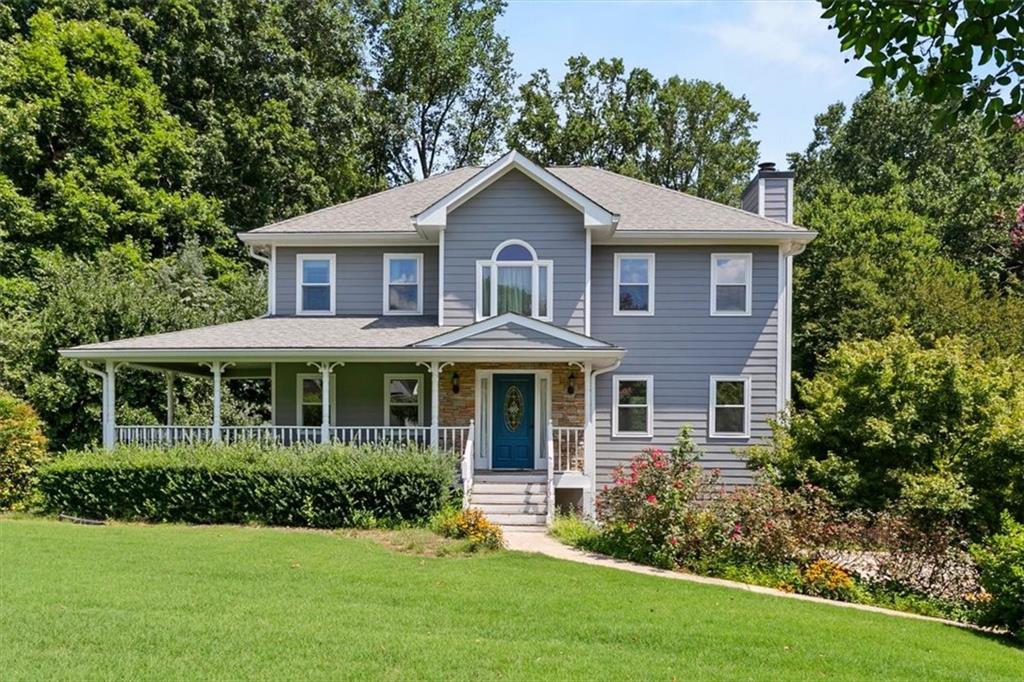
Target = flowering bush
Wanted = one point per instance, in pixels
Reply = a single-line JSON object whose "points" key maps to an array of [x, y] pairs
{"points": [[823, 578], [471, 524]]}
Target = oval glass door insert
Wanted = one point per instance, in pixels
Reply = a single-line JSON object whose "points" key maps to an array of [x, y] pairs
{"points": [[513, 408]]}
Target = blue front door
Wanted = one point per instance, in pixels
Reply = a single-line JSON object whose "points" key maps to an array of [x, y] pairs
{"points": [[512, 447]]}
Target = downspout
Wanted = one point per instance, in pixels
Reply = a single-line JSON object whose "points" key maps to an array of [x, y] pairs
{"points": [[269, 263], [592, 421], [107, 444]]}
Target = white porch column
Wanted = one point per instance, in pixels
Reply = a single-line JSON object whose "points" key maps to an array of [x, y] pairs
{"points": [[169, 378], [110, 435], [435, 401], [589, 442], [325, 400], [216, 367]]}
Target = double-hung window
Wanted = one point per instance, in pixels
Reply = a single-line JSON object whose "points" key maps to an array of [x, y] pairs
{"points": [[730, 407], [310, 400], [730, 283], [315, 275], [403, 400], [514, 281], [634, 284], [632, 412], [403, 284]]}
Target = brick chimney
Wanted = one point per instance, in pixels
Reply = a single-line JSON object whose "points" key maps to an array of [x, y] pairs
{"points": [[770, 193]]}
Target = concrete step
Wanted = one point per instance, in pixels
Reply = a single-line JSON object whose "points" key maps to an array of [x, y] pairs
{"points": [[490, 510], [524, 529], [477, 498], [509, 488], [517, 519], [524, 477]]}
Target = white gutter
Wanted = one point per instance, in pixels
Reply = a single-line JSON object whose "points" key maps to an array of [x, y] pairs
{"points": [[347, 354]]}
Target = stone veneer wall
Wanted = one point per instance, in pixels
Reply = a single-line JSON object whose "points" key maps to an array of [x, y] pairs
{"points": [[458, 408]]}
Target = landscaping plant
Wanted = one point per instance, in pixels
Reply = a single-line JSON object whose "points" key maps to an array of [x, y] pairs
{"points": [[470, 525], [1001, 572], [22, 450]]}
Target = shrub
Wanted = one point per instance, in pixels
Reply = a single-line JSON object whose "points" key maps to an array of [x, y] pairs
{"points": [[1001, 572], [575, 531], [22, 450], [823, 578], [316, 486], [472, 525]]}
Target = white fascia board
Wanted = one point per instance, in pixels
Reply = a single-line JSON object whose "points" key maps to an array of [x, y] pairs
{"points": [[435, 216], [347, 354], [490, 323], [300, 239], [706, 237]]}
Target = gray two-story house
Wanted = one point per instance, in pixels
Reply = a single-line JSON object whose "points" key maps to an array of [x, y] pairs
{"points": [[546, 323]]}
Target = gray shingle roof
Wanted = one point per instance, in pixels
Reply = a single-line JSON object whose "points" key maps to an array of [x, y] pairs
{"points": [[640, 205]]}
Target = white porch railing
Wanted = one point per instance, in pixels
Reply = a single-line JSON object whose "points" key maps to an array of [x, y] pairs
{"points": [[568, 448], [467, 466], [449, 437]]}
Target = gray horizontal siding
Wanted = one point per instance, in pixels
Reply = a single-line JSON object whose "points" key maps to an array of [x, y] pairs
{"points": [[515, 207], [776, 198], [358, 392], [511, 336], [360, 278], [682, 345]]}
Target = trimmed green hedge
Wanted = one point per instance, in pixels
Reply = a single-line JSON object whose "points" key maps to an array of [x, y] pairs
{"points": [[315, 486]]}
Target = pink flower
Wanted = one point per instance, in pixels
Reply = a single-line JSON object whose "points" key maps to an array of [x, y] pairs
{"points": [[673, 541], [651, 499]]}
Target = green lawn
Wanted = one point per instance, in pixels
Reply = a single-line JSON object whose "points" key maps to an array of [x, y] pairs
{"points": [[130, 602]]}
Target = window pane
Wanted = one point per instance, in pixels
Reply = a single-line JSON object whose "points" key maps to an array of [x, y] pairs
{"points": [[316, 271], [311, 391], [542, 292], [730, 299], [729, 393], [403, 297], [633, 419], [730, 270], [404, 391], [514, 252], [402, 271], [316, 297], [633, 270], [514, 286], [729, 419], [403, 415], [632, 393], [485, 293], [312, 415], [633, 297]]}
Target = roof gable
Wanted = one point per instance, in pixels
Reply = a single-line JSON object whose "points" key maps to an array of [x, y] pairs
{"points": [[513, 331], [435, 216]]}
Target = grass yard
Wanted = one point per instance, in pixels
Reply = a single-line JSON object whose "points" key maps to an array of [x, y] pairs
{"points": [[177, 602]]}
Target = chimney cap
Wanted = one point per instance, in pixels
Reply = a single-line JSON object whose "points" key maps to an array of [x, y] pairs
{"points": [[766, 167]]}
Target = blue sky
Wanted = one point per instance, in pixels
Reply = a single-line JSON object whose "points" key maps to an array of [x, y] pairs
{"points": [[778, 53]]}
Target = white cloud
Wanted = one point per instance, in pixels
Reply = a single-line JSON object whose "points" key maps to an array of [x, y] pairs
{"points": [[790, 33]]}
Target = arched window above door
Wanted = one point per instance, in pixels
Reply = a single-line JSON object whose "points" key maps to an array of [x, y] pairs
{"points": [[514, 280]]}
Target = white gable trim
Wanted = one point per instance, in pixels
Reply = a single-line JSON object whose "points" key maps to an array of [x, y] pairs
{"points": [[490, 323], [435, 216]]}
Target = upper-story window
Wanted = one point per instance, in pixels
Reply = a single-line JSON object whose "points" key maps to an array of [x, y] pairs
{"points": [[730, 283], [403, 284], [315, 275], [634, 284], [514, 281]]}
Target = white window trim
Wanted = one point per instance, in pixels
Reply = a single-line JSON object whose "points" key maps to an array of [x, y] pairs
{"points": [[535, 266], [616, 380], [712, 427], [299, 260], [749, 258], [419, 394], [649, 257], [298, 396], [418, 257]]}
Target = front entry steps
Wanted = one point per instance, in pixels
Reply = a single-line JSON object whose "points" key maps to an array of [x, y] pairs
{"points": [[514, 499]]}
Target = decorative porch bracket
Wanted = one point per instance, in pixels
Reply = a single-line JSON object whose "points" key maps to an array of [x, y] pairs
{"points": [[435, 368], [325, 368]]}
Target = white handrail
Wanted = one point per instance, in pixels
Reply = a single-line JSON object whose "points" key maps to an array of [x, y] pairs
{"points": [[551, 474], [568, 442], [452, 438], [467, 466]]}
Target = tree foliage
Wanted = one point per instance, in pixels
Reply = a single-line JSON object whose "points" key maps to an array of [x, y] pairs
{"points": [[689, 135], [965, 55], [890, 419]]}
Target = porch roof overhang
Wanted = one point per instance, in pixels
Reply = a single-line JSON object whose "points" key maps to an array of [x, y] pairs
{"points": [[352, 339]]}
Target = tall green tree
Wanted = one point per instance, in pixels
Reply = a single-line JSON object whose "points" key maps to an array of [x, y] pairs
{"points": [[88, 153], [966, 183], [442, 87], [965, 55], [689, 135]]}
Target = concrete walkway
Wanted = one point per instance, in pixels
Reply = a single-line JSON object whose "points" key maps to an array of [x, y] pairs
{"points": [[541, 543]]}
